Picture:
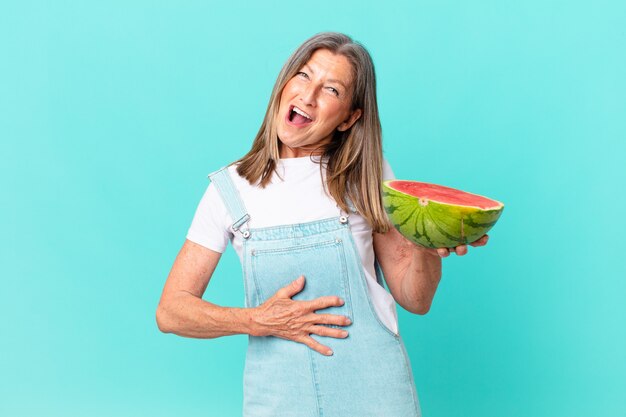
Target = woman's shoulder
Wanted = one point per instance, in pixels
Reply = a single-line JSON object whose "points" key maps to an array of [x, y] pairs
{"points": [[241, 184], [230, 169]]}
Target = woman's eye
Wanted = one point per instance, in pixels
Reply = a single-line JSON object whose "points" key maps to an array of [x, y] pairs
{"points": [[334, 91], [303, 74]]}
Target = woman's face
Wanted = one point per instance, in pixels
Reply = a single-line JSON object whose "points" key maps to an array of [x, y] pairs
{"points": [[314, 103]]}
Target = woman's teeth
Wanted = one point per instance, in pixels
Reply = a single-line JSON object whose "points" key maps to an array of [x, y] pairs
{"points": [[301, 113]]}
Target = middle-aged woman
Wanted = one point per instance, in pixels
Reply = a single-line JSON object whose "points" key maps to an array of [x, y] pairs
{"points": [[303, 211]]}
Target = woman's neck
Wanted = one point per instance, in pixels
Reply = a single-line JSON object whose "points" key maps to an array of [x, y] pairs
{"points": [[287, 152]]}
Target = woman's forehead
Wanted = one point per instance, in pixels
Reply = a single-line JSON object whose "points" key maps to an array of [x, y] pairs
{"points": [[334, 67]]}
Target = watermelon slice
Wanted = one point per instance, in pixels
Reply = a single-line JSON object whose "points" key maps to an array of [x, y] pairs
{"points": [[435, 216]]}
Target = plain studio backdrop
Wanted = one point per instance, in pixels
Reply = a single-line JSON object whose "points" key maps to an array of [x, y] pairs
{"points": [[113, 113]]}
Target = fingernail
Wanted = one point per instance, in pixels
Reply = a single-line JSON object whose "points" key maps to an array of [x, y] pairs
{"points": [[329, 352]]}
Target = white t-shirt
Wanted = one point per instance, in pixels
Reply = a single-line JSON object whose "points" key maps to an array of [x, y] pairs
{"points": [[298, 197]]}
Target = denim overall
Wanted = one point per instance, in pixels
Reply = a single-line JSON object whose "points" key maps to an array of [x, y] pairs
{"points": [[369, 373]]}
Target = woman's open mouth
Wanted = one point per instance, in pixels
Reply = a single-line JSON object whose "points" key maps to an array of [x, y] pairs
{"points": [[297, 117]]}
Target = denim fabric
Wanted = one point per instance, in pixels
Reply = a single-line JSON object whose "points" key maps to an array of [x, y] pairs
{"points": [[369, 373]]}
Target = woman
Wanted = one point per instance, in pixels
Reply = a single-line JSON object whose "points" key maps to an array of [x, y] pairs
{"points": [[303, 211]]}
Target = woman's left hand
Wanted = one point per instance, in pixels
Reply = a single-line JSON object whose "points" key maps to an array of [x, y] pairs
{"points": [[459, 250]]}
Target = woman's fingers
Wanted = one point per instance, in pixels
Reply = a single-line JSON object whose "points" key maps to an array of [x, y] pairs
{"points": [[323, 302], [459, 250], [328, 331], [315, 345], [296, 320], [291, 289], [462, 249], [329, 319], [481, 242]]}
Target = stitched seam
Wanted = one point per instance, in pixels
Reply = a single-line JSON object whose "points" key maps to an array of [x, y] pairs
{"points": [[364, 286], [246, 273], [257, 286], [232, 200], [330, 221], [295, 248], [409, 373], [316, 387], [237, 225], [346, 281]]}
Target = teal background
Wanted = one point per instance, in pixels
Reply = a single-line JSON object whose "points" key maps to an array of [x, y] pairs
{"points": [[113, 113]]}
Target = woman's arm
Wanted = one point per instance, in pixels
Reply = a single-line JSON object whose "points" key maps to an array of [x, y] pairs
{"points": [[412, 274], [182, 310]]}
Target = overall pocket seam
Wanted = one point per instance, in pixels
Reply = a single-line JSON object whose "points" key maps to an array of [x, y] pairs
{"points": [[257, 252], [246, 275], [339, 252]]}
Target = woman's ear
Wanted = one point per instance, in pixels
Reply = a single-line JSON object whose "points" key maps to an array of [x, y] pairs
{"points": [[354, 116]]}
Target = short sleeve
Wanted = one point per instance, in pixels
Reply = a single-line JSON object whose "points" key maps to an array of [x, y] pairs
{"points": [[387, 171], [211, 222]]}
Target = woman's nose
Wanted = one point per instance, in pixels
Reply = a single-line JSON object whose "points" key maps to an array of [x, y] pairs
{"points": [[309, 95]]}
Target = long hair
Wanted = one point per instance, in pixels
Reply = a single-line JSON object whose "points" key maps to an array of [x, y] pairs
{"points": [[353, 158]]}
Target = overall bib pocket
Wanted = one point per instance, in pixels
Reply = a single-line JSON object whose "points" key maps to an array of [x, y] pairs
{"points": [[322, 265]]}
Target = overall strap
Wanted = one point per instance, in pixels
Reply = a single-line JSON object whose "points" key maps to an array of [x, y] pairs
{"points": [[237, 210]]}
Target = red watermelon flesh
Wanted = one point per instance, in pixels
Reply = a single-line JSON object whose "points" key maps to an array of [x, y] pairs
{"points": [[443, 194], [436, 216]]}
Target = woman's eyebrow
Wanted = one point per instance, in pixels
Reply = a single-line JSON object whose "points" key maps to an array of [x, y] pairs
{"points": [[332, 80]]}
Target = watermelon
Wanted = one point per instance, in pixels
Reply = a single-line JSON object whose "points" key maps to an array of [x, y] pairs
{"points": [[435, 216]]}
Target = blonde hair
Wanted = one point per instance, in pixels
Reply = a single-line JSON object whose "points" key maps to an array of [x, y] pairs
{"points": [[353, 158]]}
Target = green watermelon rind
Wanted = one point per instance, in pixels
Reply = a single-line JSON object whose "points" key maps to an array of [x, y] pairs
{"points": [[437, 225]]}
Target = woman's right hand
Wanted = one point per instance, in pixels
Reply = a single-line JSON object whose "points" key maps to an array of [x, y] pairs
{"points": [[295, 320]]}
